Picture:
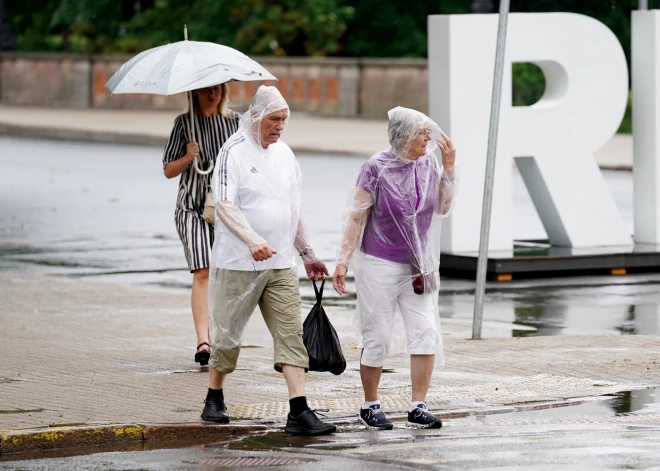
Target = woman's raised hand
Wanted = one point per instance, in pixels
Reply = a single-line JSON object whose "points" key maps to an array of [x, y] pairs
{"points": [[448, 151]]}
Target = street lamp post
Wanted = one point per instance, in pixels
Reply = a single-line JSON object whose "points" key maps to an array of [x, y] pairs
{"points": [[7, 36]]}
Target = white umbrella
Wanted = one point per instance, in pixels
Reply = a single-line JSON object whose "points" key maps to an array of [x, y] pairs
{"points": [[184, 66]]}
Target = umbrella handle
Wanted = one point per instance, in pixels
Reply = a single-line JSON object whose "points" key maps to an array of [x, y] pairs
{"points": [[198, 170], [192, 134], [192, 121]]}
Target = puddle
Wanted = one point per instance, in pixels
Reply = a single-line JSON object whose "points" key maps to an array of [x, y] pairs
{"points": [[632, 401], [19, 411], [624, 402], [271, 441], [137, 446], [201, 369]]}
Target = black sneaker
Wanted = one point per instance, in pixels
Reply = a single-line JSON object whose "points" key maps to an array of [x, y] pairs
{"points": [[374, 419], [308, 423], [422, 418], [215, 410]]}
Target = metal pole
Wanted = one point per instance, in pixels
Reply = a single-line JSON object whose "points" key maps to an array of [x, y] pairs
{"points": [[643, 5], [490, 170], [190, 97]]}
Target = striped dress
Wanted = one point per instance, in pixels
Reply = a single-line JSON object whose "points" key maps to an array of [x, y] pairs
{"points": [[211, 132]]}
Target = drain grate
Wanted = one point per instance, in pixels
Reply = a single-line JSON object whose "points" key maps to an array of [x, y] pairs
{"points": [[254, 461]]}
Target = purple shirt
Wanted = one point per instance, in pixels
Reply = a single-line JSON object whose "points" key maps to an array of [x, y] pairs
{"points": [[405, 197]]}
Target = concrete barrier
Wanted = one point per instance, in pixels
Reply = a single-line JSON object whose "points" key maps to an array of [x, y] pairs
{"points": [[339, 87]]}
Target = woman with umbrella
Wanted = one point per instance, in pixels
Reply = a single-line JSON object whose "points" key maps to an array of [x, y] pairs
{"points": [[214, 122], [196, 68]]}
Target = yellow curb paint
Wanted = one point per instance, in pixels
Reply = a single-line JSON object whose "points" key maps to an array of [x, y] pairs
{"points": [[134, 431], [20, 439], [45, 436]]}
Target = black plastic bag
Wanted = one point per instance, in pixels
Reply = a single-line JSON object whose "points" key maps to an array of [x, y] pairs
{"points": [[321, 339]]}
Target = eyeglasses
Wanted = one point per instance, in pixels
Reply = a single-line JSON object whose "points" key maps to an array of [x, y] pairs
{"points": [[425, 132]]}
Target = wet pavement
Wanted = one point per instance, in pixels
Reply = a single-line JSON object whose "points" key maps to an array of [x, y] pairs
{"points": [[570, 437], [122, 354], [105, 212]]}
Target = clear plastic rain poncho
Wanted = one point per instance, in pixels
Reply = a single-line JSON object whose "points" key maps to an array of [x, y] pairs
{"points": [[257, 191], [391, 239]]}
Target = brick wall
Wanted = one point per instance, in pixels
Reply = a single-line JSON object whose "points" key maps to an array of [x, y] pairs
{"points": [[324, 86]]}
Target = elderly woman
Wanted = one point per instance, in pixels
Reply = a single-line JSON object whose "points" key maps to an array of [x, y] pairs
{"points": [[392, 221], [214, 124]]}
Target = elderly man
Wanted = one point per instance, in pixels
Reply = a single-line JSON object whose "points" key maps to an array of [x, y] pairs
{"points": [[257, 187]]}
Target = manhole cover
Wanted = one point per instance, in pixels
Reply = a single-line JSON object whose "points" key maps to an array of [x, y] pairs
{"points": [[254, 461]]}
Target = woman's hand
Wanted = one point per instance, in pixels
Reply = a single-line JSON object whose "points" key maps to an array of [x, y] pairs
{"points": [[192, 150], [339, 279], [448, 152]]}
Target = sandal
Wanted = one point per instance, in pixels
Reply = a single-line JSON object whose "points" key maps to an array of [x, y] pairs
{"points": [[202, 357]]}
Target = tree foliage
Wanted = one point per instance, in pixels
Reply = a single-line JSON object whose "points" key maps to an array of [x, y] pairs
{"points": [[349, 28], [356, 28]]}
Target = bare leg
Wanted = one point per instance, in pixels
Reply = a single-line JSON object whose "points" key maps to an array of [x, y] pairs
{"points": [[199, 300], [421, 369], [370, 379], [216, 379], [295, 380]]}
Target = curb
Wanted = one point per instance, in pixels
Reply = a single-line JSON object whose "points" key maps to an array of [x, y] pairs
{"points": [[51, 438], [66, 134], [109, 137], [58, 438]]}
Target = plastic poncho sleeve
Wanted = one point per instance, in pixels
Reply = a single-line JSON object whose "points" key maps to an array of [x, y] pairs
{"points": [[303, 245], [449, 184], [235, 222], [225, 209], [355, 219]]}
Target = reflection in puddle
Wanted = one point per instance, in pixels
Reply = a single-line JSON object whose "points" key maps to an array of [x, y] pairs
{"points": [[270, 441], [624, 402], [635, 400]]}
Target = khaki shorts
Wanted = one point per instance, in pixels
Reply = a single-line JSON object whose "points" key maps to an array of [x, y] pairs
{"points": [[233, 300]]}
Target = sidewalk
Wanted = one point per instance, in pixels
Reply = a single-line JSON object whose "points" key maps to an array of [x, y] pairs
{"points": [[79, 355], [305, 133]]}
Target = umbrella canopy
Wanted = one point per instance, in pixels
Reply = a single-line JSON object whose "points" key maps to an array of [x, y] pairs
{"points": [[184, 66]]}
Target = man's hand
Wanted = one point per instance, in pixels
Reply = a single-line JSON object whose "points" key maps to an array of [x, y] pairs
{"points": [[316, 271], [262, 252], [339, 279]]}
